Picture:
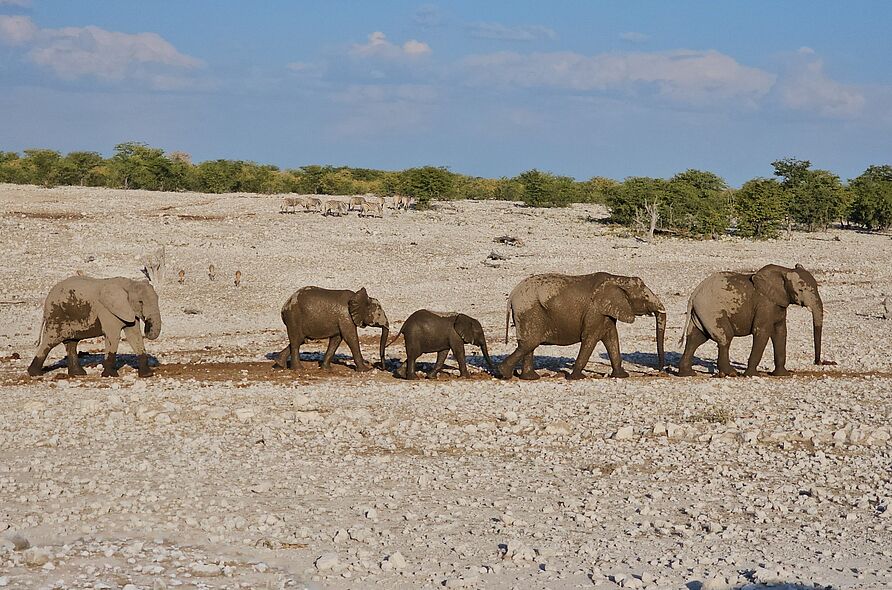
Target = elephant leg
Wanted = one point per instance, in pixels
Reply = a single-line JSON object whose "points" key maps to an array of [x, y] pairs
{"points": [[458, 351], [611, 342], [293, 349], [779, 343], [333, 344], [282, 358], [585, 353], [112, 338], [527, 372], [412, 354], [693, 341], [43, 351], [352, 339], [134, 339], [74, 363], [441, 360], [760, 340], [506, 367]]}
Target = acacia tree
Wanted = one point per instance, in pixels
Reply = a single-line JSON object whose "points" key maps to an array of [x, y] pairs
{"points": [[426, 184], [41, 166], [760, 205], [815, 198], [872, 204]]}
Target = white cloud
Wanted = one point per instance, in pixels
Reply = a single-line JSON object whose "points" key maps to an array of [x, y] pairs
{"points": [[682, 75], [634, 37], [379, 46], [502, 32], [16, 30], [806, 87], [77, 52]]}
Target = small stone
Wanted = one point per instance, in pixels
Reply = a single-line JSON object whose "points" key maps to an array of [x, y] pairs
{"points": [[36, 557], [326, 562], [560, 428], [202, 570], [19, 542], [715, 583], [244, 414], [397, 560], [624, 433]]}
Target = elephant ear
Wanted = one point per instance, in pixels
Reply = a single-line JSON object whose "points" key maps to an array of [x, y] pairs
{"points": [[116, 300], [612, 301], [464, 327], [769, 281], [358, 305]]}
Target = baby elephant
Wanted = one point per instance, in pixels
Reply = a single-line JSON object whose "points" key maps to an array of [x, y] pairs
{"points": [[430, 331]]}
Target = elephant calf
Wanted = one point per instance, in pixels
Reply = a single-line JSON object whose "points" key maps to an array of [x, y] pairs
{"points": [[729, 304], [430, 331], [87, 307], [314, 313]]}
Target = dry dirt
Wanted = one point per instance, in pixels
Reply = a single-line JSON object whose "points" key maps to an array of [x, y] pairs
{"points": [[220, 472]]}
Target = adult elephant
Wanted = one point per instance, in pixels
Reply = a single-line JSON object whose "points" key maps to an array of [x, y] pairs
{"points": [[729, 304], [565, 309], [86, 307], [314, 313]]}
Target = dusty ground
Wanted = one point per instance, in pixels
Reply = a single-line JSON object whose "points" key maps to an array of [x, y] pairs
{"points": [[219, 472]]}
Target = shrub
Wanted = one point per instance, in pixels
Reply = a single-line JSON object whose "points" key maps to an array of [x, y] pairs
{"points": [[761, 206], [872, 198]]}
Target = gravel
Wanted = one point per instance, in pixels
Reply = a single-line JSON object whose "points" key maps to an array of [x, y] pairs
{"points": [[222, 473]]}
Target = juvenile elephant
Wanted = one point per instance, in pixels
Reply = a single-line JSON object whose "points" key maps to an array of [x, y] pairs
{"points": [[314, 313], [431, 331], [86, 307], [729, 304], [564, 309]]}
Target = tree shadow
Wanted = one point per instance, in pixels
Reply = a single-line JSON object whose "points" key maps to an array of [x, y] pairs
{"points": [[88, 359]]}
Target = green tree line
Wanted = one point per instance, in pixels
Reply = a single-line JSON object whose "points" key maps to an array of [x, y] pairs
{"points": [[693, 202]]}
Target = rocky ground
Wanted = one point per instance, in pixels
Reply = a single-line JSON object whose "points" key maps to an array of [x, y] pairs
{"points": [[221, 473]]}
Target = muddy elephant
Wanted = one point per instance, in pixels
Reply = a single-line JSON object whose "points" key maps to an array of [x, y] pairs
{"points": [[314, 313], [85, 307], [729, 304], [565, 309], [430, 331]]}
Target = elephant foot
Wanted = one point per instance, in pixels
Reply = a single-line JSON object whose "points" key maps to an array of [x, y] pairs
{"points": [[465, 375], [143, 369], [574, 376], [529, 375], [781, 372], [35, 369], [363, 368], [505, 372], [109, 369], [76, 371], [686, 372], [619, 373]]}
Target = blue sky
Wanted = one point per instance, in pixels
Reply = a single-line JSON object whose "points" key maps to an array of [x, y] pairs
{"points": [[581, 88]]}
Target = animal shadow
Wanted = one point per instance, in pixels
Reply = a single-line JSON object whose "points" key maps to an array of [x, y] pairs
{"points": [[760, 586], [649, 360], [316, 357], [89, 359]]}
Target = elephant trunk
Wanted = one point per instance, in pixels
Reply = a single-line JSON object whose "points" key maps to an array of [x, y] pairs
{"points": [[661, 337], [385, 334], [485, 352], [152, 327], [817, 314]]}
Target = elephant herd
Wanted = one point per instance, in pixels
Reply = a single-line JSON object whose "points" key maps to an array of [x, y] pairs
{"points": [[551, 309]]}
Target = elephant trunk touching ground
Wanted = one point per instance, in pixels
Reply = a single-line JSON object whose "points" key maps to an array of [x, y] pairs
{"points": [[661, 337], [385, 333], [817, 316]]}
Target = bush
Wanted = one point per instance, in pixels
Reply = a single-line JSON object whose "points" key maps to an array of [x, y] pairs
{"points": [[543, 189], [426, 184], [761, 206], [815, 198], [872, 198]]}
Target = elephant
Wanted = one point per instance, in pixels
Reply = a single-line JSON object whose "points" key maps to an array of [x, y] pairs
{"points": [[431, 331], [86, 307], [729, 304], [565, 309], [314, 313]]}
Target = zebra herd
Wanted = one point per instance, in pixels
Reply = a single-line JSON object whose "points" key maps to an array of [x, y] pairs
{"points": [[368, 205]]}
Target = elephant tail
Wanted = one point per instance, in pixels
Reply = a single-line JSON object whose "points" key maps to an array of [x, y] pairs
{"points": [[507, 318], [689, 321], [398, 334]]}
